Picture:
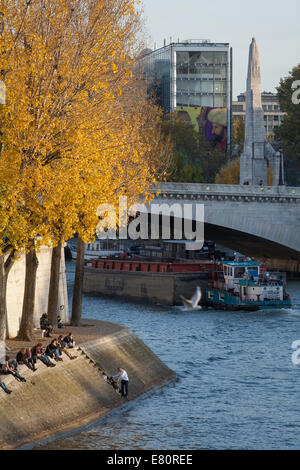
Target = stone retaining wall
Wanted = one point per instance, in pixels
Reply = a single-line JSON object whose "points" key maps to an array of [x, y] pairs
{"points": [[72, 394], [15, 291]]}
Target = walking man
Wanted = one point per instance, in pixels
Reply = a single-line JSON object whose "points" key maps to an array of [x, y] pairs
{"points": [[122, 378]]}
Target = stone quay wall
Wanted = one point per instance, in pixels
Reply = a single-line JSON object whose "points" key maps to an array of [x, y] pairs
{"points": [[15, 291], [72, 394]]}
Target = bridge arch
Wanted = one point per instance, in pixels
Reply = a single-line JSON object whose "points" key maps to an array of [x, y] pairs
{"points": [[257, 221]]}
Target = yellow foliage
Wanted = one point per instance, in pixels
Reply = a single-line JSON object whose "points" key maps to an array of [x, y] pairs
{"points": [[78, 129], [230, 173], [238, 130]]}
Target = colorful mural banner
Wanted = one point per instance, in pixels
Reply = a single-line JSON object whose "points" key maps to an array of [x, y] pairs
{"points": [[210, 122]]}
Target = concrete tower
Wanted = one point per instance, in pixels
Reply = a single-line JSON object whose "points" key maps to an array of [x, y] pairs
{"points": [[258, 153]]}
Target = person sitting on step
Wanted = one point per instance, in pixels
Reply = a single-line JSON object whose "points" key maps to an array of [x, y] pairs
{"points": [[69, 340], [59, 322], [52, 350], [37, 353], [45, 325], [11, 368], [22, 358], [63, 347]]}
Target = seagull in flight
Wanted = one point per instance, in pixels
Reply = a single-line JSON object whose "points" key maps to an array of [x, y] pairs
{"points": [[193, 304]]}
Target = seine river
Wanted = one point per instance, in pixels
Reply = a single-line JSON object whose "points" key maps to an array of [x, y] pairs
{"points": [[237, 386]]}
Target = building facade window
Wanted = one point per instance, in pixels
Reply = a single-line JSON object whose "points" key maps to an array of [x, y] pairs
{"points": [[273, 117]]}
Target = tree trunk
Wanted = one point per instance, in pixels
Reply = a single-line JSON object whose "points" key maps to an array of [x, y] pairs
{"points": [[27, 321], [5, 267], [3, 284], [78, 285], [54, 285]]}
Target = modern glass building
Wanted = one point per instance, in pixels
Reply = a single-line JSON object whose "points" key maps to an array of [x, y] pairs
{"points": [[194, 77]]}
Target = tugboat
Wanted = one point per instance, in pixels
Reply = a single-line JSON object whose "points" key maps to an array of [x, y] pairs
{"points": [[248, 286]]}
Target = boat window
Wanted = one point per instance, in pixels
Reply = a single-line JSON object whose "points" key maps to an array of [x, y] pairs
{"points": [[221, 296], [239, 272], [253, 272], [210, 295]]}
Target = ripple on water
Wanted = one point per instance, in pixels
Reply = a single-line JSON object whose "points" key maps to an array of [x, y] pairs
{"points": [[236, 388]]}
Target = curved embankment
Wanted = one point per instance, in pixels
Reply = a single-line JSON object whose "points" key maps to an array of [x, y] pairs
{"points": [[73, 393]]}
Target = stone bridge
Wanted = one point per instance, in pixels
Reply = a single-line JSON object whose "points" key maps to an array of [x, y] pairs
{"points": [[254, 220]]}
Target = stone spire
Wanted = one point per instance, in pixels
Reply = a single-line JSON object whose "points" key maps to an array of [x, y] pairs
{"points": [[253, 161]]}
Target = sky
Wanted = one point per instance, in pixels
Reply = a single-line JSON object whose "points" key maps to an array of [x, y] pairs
{"points": [[274, 24]]}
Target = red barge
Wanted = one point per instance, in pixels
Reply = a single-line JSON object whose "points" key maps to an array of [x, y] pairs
{"points": [[152, 281]]}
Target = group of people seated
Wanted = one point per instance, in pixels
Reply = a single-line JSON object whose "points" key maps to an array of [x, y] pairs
{"points": [[29, 357]]}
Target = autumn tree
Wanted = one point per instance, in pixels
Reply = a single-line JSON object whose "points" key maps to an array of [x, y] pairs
{"points": [[73, 139], [195, 160], [288, 133], [141, 155], [210, 159], [230, 173], [184, 139], [238, 131]]}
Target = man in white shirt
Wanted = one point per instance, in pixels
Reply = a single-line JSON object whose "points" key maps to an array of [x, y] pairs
{"points": [[122, 379]]}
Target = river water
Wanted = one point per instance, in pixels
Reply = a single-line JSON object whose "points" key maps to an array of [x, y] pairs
{"points": [[237, 386]]}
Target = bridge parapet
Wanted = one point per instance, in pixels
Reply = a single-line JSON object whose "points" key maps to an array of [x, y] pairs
{"points": [[228, 192]]}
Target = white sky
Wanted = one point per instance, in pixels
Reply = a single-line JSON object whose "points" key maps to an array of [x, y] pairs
{"points": [[274, 24]]}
